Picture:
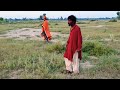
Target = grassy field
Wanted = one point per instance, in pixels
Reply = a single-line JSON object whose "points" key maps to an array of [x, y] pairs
{"points": [[33, 59]]}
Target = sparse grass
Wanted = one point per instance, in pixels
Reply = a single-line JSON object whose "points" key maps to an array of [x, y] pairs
{"points": [[30, 56], [108, 67], [82, 22], [28, 59]]}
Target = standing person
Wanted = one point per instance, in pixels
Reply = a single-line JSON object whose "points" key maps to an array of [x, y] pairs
{"points": [[73, 53], [45, 29]]}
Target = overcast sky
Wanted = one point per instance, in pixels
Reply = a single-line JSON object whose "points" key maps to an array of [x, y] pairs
{"points": [[57, 14]]}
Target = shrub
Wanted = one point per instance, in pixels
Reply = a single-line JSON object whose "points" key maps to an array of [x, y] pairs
{"points": [[113, 20], [92, 20], [56, 23], [97, 49]]}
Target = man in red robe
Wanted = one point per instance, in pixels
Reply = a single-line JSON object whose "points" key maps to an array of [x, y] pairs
{"points": [[73, 53]]}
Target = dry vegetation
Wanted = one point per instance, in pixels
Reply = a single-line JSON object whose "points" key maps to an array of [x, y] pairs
{"points": [[31, 57]]}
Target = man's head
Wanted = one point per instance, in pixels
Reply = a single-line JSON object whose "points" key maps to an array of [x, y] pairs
{"points": [[44, 17], [71, 20], [44, 14]]}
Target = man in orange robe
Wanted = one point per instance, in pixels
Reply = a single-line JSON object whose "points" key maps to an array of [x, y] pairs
{"points": [[45, 29]]}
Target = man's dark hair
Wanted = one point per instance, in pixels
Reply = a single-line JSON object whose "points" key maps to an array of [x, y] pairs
{"points": [[44, 14], [72, 17]]}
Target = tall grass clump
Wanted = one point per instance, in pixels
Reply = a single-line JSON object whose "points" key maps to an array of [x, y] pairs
{"points": [[56, 47]]}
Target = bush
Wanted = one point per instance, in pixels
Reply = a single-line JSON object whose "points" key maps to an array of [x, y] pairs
{"points": [[113, 20], [97, 49], [92, 20], [56, 23]]}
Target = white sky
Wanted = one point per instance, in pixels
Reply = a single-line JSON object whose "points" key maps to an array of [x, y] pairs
{"points": [[56, 14]]}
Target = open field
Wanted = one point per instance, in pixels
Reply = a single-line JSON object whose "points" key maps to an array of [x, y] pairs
{"points": [[24, 54]]}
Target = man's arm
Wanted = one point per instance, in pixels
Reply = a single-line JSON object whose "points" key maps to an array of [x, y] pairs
{"points": [[79, 42]]}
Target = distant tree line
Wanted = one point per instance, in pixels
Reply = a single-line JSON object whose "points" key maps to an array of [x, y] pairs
{"points": [[61, 18], [2, 20]]}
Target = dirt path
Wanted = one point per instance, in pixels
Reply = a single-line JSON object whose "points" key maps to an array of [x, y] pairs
{"points": [[21, 33], [28, 33]]}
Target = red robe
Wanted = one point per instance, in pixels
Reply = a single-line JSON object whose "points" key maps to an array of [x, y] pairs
{"points": [[74, 43]]}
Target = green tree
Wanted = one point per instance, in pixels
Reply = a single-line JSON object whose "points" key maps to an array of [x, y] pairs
{"points": [[41, 17], [61, 18], [118, 15], [1, 19]]}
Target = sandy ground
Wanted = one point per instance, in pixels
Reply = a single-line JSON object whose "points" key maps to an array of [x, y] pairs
{"points": [[29, 33], [99, 26], [23, 33]]}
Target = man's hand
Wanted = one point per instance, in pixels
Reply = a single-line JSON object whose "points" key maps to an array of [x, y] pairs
{"points": [[78, 50]]}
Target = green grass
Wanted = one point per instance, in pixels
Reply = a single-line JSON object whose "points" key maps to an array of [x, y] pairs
{"points": [[28, 59]]}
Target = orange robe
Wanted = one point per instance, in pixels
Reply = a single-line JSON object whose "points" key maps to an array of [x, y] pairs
{"points": [[45, 28]]}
